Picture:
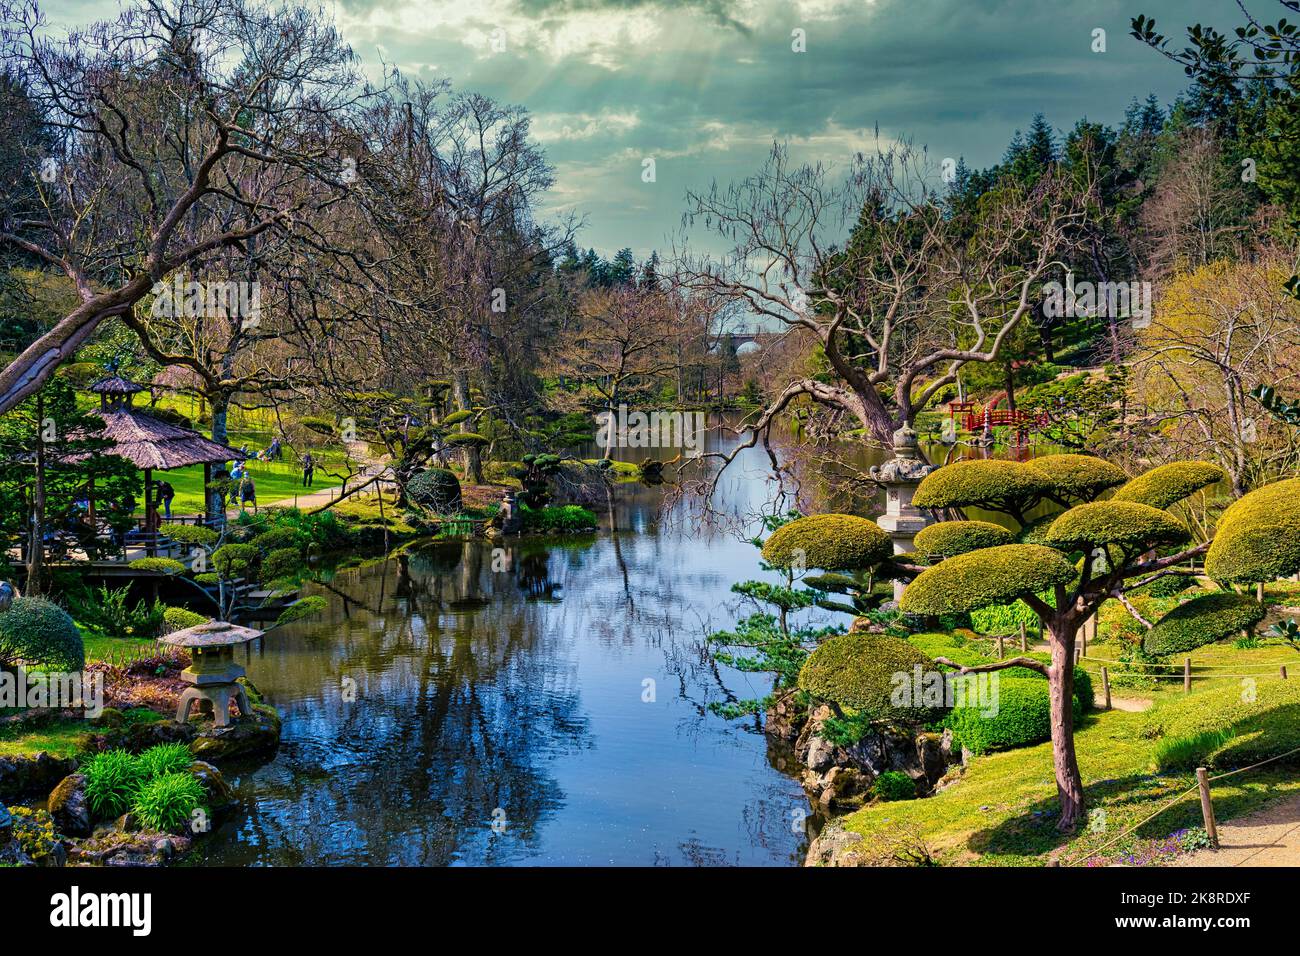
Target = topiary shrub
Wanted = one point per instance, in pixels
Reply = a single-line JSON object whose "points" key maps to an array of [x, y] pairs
{"points": [[894, 785], [1163, 486], [281, 563], [992, 576], [951, 538], [167, 803], [162, 565], [832, 542], [436, 489], [862, 671], [1081, 477], [1166, 586], [466, 439], [987, 482], [1023, 717], [1203, 620], [1126, 524], [236, 560], [193, 534], [34, 631], [179, 618], [1258, 537]]}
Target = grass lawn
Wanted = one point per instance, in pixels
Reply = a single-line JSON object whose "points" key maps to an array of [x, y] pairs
{"points": [[64, 737], [1003, 810], [275, 481]]}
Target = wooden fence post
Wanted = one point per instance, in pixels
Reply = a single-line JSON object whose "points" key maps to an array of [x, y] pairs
{"points": [[1283, 669], [1207, 807], [1001, 652], [1024, 645], [1105, 684], [1187, 675]]}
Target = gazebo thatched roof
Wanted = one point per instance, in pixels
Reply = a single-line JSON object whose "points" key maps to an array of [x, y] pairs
{"points": [[147, 442]]}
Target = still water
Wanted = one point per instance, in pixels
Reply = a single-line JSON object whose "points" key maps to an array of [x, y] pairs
{"points": [[554, 710]]}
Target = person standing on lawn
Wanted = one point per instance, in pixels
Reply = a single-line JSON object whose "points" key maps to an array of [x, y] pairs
{"points": [[165, 495], [308, 467], [247, 492]]}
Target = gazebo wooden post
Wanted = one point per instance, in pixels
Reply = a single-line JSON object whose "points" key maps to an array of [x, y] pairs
{"points": [[149, 543], [209, 513]]}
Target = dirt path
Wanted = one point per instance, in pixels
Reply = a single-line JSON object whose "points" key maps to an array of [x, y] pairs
{"points": [[1267, 837]]}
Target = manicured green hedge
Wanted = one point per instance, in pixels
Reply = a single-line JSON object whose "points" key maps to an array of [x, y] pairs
{"points": [[1023, 717], [164, 565], [1203, 620], [953, 648], [987, 482], [179, 618], [190, 534], [301, 608], [1163, 486], [34, 631], [990, 576], [832, 542], [1258, 537], [1127, 524], [858, 671], [1080, 477], [951, 538], [281, 563], [466, 438], [236, 560]]}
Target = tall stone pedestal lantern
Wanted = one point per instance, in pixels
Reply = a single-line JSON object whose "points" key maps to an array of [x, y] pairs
{"points": [[900, 476]]}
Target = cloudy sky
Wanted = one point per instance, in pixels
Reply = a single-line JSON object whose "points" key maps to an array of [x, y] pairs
{"points": [[704, 86]]}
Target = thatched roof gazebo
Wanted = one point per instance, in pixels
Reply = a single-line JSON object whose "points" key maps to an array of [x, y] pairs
{"points": [[152, 444]]}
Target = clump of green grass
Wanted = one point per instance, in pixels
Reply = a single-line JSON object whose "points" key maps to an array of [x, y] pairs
{"points": [[112, 779], [168, 802], [165, 759]]}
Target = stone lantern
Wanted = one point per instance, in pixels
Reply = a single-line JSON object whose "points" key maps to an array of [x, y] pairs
{"points": [[213, 674], [900, 476]]}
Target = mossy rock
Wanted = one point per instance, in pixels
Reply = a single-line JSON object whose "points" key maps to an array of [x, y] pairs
{"points": [[1167, 484], [990, 576], [833, 542], [860, 671], [951, 538], [1258, 537], [1081, 477], [36, 631], [1203, 620], [996, 485], [254, 736], [1125, 524]]}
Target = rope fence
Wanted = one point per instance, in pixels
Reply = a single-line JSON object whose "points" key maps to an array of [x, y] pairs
{"points": [[1202, 785]]}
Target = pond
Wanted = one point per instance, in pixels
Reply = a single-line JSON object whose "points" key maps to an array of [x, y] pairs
{"points": [[544, 703]]}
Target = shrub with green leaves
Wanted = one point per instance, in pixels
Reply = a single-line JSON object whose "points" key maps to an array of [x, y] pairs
{"points": [[1168, 484], [894, 785], [951, 538], [192, 534], [236, 560], [1023, 717], [997, 485], [1006, 618], [161, 565], [167, 802], [1124, 524], [561, 518], [1258, 536], [36, 632], [859, 671], [281, 563], [112, 780], [303, 607], [831, 542], [110, 610], [988, 576], [164, 758], [437, 489], [277, 539], [179, 618], [1079, 477], [1203, 620]]}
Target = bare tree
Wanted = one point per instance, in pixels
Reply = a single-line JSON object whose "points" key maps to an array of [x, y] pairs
{"points": [[184, 130], [905, 302]]}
